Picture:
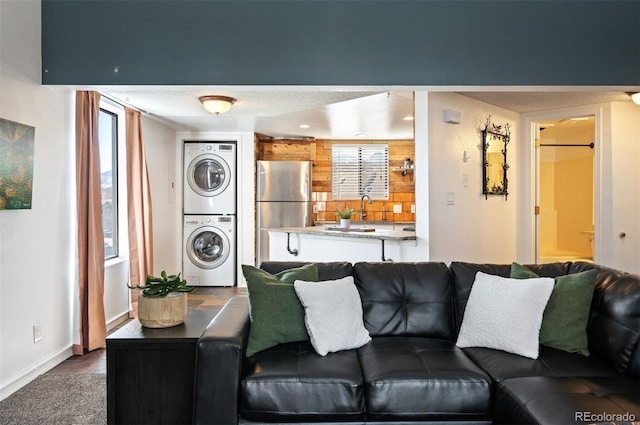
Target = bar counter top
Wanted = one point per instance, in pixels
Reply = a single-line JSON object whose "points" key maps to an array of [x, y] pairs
{"points": [[356, 231]]}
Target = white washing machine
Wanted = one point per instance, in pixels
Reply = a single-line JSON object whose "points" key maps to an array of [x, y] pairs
{"points": [[209, 250], [209, 185]]}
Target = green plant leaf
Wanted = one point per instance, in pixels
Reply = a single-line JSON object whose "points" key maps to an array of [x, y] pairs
{"points": [[163, 285]]}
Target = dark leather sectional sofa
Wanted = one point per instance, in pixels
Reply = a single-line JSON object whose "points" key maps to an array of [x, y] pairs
{"points": [[412, 371]]}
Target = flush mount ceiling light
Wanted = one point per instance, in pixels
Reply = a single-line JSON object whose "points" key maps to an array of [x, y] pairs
{"points": [[217, 104], [635, 97]]}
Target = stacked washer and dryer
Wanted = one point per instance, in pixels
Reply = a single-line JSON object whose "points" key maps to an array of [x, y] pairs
{"points": [[209, 213]]}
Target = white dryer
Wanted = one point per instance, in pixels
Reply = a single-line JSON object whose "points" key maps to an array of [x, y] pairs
{"points": [[209, 185], [209, 250]]}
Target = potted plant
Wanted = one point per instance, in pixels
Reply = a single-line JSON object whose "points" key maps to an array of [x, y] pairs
{"points": [[345, 217], [163, 300]]}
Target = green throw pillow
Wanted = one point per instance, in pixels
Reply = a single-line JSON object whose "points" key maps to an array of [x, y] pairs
{"points": [[564, 324], [274, 308]]}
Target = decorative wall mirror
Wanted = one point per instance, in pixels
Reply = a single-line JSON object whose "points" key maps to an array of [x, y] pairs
{"points": [[495, 139]]}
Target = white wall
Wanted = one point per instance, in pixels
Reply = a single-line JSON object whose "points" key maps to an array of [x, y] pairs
{"points": [[116, 294], [421, 123], [37, 254], [624, 253], [474, 229], [159, 144]]}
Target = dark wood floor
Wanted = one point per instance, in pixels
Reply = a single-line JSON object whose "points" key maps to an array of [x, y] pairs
{"points": [[202, 298]]}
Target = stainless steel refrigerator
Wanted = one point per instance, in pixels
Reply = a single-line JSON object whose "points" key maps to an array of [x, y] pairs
{"points": [[282, 199]]}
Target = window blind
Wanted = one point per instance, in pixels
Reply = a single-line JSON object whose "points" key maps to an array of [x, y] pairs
{"points": [[358, 170]]}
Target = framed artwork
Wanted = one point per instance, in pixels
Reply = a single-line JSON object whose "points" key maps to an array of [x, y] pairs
{"points": [[16, 165]]}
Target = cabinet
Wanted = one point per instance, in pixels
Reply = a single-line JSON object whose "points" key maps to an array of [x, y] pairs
{"points": [[150, 372]]}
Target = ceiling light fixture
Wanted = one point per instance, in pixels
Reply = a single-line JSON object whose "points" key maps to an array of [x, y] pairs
{"points": [[408, 118], [217, 104], [635, 97], [305, 126]]}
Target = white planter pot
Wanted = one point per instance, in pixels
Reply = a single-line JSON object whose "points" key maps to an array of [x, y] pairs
{"points": [[345, 223], [162, 312]]}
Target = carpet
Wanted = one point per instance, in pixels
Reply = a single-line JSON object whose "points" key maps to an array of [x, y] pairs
{"points": [[58, 399]]}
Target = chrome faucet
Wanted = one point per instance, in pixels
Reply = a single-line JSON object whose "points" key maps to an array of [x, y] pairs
{"points": [[362, 213]]}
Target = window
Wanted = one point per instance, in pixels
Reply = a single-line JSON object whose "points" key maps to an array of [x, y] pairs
{"points": [[108, 141], [358, 170]]}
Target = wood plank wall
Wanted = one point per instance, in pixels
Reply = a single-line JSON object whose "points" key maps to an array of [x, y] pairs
{"points": [[401, 188]]}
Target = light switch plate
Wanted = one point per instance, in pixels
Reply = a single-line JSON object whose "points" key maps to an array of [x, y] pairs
{"points": [[397, 209], [451, 198]]}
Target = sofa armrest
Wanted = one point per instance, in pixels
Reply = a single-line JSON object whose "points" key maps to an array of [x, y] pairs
{"points": [[219, 357]]}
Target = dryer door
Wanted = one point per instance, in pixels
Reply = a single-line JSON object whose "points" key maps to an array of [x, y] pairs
{"points": [[208, 175], [208, 247]]}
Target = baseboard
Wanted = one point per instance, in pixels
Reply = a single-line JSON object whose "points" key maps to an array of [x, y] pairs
{"points": [[37, 370], [118, 320]]}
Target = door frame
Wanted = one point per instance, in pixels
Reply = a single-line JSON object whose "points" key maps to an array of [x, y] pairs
{"points": [[530, 247]]}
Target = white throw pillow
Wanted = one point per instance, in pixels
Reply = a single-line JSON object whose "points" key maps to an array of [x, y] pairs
{"points": [[505, 314], [332, 314]]}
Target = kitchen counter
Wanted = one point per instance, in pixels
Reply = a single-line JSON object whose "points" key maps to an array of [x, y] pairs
{"points": [[330, 243], [357, 231], [365, 222]]}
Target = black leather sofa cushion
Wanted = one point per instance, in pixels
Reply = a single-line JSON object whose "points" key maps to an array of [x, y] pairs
{"points": [[409, 378], [545, 400], [410, 299], [614, 323], [326, 271], [291, 383], [500, 365]]}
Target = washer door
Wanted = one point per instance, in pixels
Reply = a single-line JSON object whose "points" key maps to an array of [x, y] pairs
{"points": [[208, 175], [208, 247]]}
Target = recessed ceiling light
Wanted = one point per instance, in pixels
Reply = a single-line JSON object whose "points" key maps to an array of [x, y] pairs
{"points": [[361, 135], [305, 125], [408, 118]]}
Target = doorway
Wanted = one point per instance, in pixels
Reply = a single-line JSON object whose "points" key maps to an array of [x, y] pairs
{"points": [[565, 166]]}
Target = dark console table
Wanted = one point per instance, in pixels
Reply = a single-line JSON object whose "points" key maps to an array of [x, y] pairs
{"points": [[150, 372]]}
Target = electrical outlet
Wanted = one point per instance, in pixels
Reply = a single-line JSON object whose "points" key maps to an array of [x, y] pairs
{"points": [[315, 209], [413, 208], [397, 209], [37, 333]]}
